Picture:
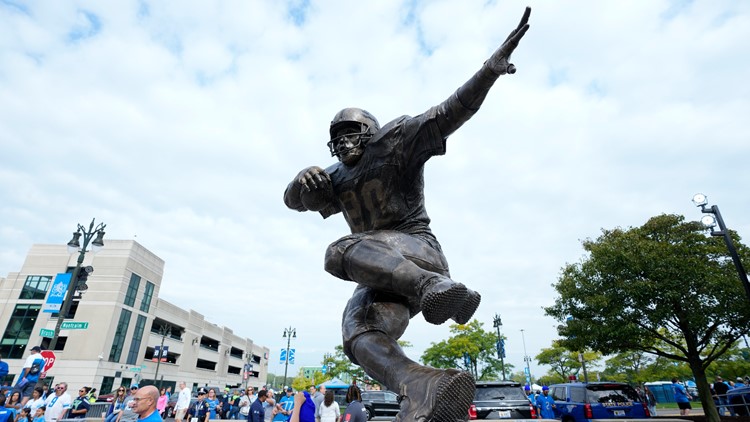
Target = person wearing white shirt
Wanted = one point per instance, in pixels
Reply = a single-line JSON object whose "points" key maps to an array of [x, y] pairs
{"points": [[183, 402], [58, 403], [36, 400]]}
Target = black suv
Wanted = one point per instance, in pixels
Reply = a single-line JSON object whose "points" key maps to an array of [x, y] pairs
{"points": [[380, 403], [502, 400]]}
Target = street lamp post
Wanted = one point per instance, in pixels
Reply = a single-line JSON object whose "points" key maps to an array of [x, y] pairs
{"points": [[75, 246], [288, 333], [712, 217], [526, 358], [497, 323]]}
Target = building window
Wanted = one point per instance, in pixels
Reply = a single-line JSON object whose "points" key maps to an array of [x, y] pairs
{"points": [[18, 331], [107, 384], [148, 293], [205, 364], [233, 369], [135, 344], [135, 280], [119, 341], [61, 341], [36, 287]]}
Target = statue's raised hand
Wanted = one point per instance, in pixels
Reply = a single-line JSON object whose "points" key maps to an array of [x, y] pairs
{"points": [[499, 62]]}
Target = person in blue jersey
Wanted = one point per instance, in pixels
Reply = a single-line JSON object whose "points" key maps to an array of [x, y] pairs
{"points": [[286, 404], [391, 253], [32, 367], [545, 404], [214, 404], [682, 397]]}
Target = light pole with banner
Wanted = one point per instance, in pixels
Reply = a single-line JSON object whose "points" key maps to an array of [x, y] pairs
{"points": [[497, 323], [75, 246], [288, 333]]}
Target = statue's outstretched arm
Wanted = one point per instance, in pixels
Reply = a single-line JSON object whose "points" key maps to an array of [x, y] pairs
{"points": [[462, 105]]}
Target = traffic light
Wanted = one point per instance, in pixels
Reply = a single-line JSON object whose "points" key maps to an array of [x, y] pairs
{"points": [[83, 275]]}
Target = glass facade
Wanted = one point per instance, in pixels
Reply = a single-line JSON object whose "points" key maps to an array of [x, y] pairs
{"points": [[36, 287], [135, 343], [135, 281], [18, 331], [148, 293], [119, 341]]}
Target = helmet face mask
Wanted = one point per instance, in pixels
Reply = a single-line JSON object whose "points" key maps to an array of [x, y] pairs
{"points": [[350, 123]]}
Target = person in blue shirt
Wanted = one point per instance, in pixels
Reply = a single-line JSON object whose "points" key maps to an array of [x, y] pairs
{"points": [[545, 404], [214, 404], [682, 397], [30, 374], [739, 382], [3, 368], [256, 413]]}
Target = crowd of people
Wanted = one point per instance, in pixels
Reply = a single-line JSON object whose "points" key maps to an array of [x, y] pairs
{"points": [[264, 405]]}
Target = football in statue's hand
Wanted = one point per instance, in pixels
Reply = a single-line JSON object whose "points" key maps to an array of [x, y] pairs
{"points": [[317, 199]]}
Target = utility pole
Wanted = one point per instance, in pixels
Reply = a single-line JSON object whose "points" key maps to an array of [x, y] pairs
{"points": [[526, 358]]}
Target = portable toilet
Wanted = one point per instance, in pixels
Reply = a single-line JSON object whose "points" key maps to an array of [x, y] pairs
{"points": [[662, 391]]}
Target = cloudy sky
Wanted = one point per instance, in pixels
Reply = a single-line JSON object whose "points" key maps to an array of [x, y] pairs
{"points": [[179, 124]]}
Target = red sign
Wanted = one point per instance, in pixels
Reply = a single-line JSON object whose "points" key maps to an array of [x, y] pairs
{"points": [[49, 359]]}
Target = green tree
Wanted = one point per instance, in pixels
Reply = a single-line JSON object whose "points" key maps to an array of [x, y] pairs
{"points": [[630, 366], [471, 341], [564, 362], [339, 365], [301, 382], [666, 283]]}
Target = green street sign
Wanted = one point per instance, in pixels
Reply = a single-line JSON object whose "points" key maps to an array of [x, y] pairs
{"points": [[74, 325], [47, 333]]}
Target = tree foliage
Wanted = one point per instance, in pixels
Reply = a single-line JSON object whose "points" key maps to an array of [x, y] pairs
{"points": [[666, 288], [564, 362], [470, 340]]}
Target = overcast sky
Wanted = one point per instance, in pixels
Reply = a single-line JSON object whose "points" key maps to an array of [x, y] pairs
{"points": [[179, 124]]}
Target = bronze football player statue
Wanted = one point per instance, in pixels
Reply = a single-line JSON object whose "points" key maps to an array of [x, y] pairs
{"points": [[391, 253]]}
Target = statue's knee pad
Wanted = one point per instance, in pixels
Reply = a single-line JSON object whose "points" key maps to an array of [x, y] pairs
{"points": [[369, 310], [334, 262]]}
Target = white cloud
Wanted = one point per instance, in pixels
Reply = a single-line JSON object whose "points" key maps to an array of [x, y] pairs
{"points": [[181, 126]]}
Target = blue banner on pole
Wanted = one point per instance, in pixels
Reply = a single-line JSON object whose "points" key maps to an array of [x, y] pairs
{"points": [[57, 293], [291, 356], [282, 356]]}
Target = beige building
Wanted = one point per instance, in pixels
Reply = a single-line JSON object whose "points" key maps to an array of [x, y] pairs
{"points": [[122, 322]]}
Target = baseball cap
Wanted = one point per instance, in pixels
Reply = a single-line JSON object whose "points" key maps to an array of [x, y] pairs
{"points": [[289, 389], [526, 388], [739, 379], [36, 349], [545, 388], [133, 386], [202, 391]]}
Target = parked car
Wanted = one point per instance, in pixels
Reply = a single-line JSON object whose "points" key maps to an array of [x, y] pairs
{"points": [[739, 399], [582, 402], [500, 400], [107, 398], [380, 403]]}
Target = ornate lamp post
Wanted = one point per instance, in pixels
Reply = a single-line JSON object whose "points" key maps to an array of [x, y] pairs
{"points": [[73, 247], [710, 219], [288, 333], [497, 323], [163, 331]]}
